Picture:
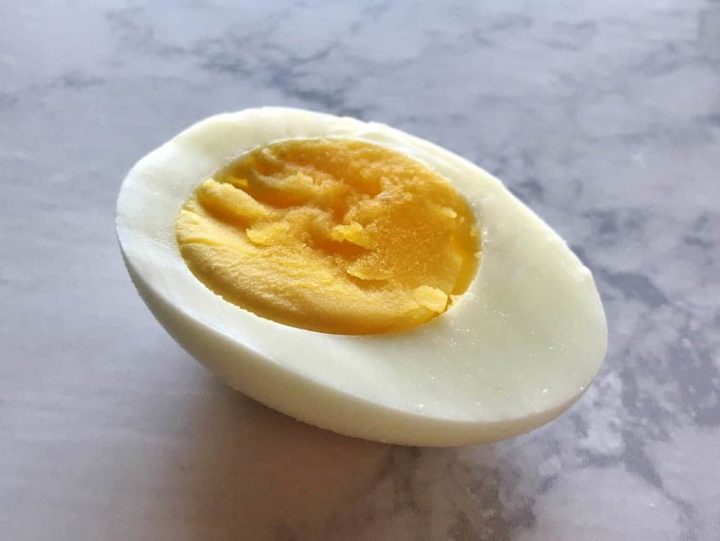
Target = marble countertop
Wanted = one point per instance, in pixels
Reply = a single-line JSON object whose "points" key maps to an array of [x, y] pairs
{"points": [[604, 116]]}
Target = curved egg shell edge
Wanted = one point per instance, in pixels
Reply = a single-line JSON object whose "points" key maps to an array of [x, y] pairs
{"points": [[297, 397]]}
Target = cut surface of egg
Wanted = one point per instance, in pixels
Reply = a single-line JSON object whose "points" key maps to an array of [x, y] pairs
{"points": [[359, 279]]}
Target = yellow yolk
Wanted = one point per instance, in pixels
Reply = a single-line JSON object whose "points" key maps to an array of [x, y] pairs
{"points": [[332, 235]]}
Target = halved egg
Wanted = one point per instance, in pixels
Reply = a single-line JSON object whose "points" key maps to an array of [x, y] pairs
{"points": [[359, 279]]}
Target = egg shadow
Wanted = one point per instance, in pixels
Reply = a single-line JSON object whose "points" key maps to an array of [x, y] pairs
{"points": [[247, 472], [424, 494]]}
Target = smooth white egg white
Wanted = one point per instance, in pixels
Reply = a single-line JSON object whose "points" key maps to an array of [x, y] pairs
{"points": [[516, 350]]}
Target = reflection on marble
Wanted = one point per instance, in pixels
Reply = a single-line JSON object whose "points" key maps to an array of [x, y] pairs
{"points": [[603, 115]]}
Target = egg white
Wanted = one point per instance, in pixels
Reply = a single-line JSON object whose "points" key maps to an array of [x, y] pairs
{"points": [[516, 350]]}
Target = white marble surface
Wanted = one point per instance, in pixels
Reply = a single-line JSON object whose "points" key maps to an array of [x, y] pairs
{"points": [[603, 115]]}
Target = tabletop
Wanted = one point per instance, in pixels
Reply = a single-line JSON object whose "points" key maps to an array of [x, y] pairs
{"points": [[604, 116]]}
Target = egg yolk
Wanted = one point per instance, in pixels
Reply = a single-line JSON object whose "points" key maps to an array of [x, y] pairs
{"points": [[332, 235]]}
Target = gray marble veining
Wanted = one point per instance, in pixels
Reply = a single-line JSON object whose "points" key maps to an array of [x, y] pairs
{"points": [[604, 116]]}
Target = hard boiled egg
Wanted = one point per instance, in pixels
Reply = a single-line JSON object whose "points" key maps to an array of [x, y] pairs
{"points": [[359, 279]]}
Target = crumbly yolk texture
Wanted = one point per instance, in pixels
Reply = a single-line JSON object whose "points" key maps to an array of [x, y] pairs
{"points": [[331, 235]]}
